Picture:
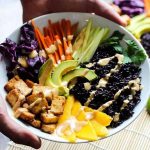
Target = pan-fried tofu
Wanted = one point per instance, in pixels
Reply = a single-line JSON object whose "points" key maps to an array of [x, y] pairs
{"points": [[48, 118], [47, 91], [24, 114], [37, 106], [10, 84], [29, 83], [36, 123], [32, 98], [48, 128], [15, 96], [57, 106], [59, 98], [17, 83]]}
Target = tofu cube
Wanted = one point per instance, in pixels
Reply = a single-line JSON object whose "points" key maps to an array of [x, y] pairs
{"points": [[49, 118], [15, 96], [57, 106], [47, 91], [37, 106], [36, 123], [29, 83], [48, 128], [24, 114], [32, 98], [17, 83]]}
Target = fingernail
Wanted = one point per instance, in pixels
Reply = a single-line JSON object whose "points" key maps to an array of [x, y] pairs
{"points": [[36, 143]]}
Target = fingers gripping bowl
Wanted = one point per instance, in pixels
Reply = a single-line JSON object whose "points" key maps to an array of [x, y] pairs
{"points": [[82, 18]]}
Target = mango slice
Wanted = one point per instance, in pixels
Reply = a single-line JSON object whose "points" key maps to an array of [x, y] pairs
{"points": [[102, 118], [81, 116], [67, 109], [100, 130], [76, 108], [87, 132], [69, 135]]}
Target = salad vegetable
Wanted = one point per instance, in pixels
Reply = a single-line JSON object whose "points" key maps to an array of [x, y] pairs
{"points": [[87, 41], [75, 85]]}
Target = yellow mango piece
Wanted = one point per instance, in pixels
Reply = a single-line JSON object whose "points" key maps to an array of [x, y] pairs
{"points": [[81, 116], [102, 118], [67, 110], [87, 133], [88, 109], [100, 130], [76, 108], [71, 137]]}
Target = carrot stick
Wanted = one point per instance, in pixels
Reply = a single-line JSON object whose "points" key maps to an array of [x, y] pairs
{"points": [[147, 6], [41, 38], [68, 24], [50, 35], [49, 40], [52, 57], [68, 57], [36, 34], [45, 31], [66, 47], [56, 57], [60, 48], [63, 25]]}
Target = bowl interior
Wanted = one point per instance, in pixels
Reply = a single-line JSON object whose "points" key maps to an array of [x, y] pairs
{"points": [[81, 18]]}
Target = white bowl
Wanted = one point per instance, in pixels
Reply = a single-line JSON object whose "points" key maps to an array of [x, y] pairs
{"points": [[81, 18]]}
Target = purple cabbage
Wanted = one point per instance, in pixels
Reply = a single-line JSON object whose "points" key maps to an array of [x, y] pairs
{"points": [[8, 50], [130, 7], [26, 44]]}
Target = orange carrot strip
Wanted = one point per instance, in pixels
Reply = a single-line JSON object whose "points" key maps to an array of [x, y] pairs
{"points": [[63, 24], [147, 6], [68, 24], [41, 38], [50, 35], [48, 40], [65, 45], [52, 57], [38, 39], [56, 57], [69, 57], [45, 31], [36, 34], [47, 44], [60, 48]]}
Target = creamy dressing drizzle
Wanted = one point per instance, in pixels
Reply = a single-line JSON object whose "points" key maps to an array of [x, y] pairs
{"points": [[135, 86], [90, 98], [104, 106], [73, 124], [104, 81], [105, 61]]}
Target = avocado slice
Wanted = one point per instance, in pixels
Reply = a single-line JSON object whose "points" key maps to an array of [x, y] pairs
{"points": [[61, 90], [79, 72], [141, 30], [45, 71], [62, 69]]}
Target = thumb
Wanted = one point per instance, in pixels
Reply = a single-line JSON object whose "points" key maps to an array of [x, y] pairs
{"points": [[105, 10], [17, 133]]}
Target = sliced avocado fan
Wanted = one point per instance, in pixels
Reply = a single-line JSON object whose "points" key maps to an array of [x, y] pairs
{"points": [[79, 72], [45, 71]]}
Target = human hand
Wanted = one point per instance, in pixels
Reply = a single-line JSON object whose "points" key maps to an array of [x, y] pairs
{"points": [[14, 131], [34, 8]]}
